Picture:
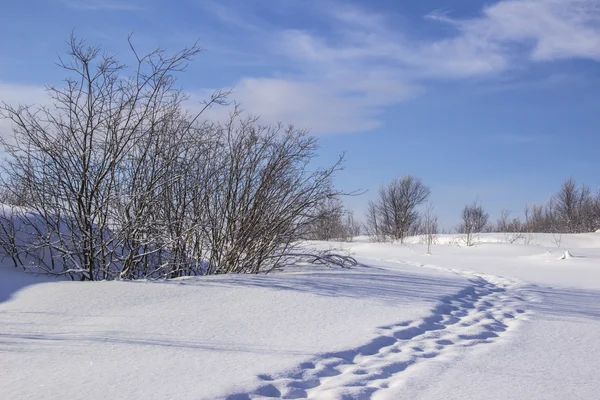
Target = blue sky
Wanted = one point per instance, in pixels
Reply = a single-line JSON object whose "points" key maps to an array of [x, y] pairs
{"points": [[495, 100]]}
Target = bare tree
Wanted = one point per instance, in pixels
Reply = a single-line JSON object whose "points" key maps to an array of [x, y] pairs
{"points": [[566, 203], [328, 223], [589, 210], [352, 226], [373, 226], [503, 221], [539, 218], [474, 221], [395, 213], [333, 222], [574, 209], [593, 220], [429, 226]]}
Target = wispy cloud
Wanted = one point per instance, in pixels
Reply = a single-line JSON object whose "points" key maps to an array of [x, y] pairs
{"points": [[552, 81], [342, 80], [366, 38], [547, 29], [342, 72], [329, 88], [323, 106], [503, 35], [233, 17]]}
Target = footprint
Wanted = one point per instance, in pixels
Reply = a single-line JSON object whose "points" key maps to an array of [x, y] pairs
{"points": [[295, 393], [396, 367], [307, 365], [376, 345], [268, 391], [240, 396], [328, 372], [307, 384], [409, 333], [480, 335]]}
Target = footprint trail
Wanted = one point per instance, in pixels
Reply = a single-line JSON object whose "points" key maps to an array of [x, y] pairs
{"points": [[480, 313]]}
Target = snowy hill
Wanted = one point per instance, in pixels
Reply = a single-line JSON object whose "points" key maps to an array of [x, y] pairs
{"points": [[495, 320]]}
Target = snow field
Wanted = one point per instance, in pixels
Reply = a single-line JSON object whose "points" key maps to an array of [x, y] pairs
{"points": [[493, 321]]}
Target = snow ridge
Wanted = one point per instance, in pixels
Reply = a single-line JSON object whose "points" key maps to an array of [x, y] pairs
{"points": [[480, 313]]}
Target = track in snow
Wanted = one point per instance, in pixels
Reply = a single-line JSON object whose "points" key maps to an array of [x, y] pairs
{"points": [[480, 313]]}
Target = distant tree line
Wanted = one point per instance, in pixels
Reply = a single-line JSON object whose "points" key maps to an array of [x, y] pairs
{"points": [[116, 180], [572, 209], [397, 213]]}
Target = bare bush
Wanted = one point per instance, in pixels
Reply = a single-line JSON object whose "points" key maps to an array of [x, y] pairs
{"points": [[557, 239], [116, 180], [508, 225], [512, 228], [264, 198], [67, 156]]}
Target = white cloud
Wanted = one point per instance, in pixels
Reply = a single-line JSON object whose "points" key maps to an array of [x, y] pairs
{"points": [[322, 107], [15, 95], [548, 29], [371, 40], [344, 80], [22, 94], [489, 43], [317, 106]]}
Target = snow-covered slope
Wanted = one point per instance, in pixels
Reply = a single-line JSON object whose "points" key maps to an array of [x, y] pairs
{"points": [[491, 321]]}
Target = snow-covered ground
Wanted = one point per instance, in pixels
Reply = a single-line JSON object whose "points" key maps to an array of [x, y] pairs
{"points": [[491, 321]]}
